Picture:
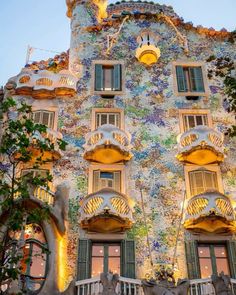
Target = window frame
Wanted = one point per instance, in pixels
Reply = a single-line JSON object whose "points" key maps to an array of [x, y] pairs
{"points": [[108, 63], [42, 105], [108, 168], [102, 179], [27, 274], [194, 112], [45, 111], [214, 168], [106, 256], [194, 187], [189, 64], [95, 111], [212, 245]]}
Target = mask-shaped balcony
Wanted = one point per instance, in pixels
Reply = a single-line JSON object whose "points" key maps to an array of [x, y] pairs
{"points": [[106, 211], [45, 84], [147, 51], [209, 212], [108, 144], [47, 155], [201, 145]]}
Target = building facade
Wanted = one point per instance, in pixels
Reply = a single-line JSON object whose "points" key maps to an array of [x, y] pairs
{"points": [[151, 175]]}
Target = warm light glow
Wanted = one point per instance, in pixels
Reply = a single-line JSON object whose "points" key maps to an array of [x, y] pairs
{"points": [[148, 54], [102, 9], [62, 257]]}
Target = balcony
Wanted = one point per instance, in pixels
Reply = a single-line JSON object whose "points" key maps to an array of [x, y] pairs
{"points": [[108, 144], [53, 137], [210, 212], [127, 286], [201, 145], [106, 211], [45, 84], [44, 195]]}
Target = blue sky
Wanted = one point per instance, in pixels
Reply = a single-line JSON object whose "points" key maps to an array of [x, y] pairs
{"points": [[43, 24]]}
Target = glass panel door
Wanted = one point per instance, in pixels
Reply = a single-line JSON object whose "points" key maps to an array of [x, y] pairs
{"points": [[213, 259], [205, 261], [114, 258], [97, 260], [107, 77], [105, 257], [221, 259]]}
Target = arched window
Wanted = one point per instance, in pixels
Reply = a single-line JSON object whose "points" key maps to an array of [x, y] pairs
{"points": [[33, 264]]}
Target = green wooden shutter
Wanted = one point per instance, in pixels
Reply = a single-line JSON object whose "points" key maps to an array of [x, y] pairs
{"points": [[96, 180], [84, 259], [196, 79], [231, 247], [128, 258], [98, 77], [181, 80], [192, 260], [116, 185], [117, 77]]}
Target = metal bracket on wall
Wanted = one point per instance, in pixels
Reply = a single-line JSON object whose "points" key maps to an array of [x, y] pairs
{"points": [[182, 39], [112, 39]]}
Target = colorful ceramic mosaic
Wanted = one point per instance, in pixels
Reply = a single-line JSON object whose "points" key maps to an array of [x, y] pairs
{"points": [[151, 109]]}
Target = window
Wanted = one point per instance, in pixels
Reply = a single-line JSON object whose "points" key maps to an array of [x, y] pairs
{"points": [[193, 120], [190, 79], [105, 257], [44, 117], [106, 179], [34, 260], [96, 257], [107, 118], [213, 259], [35, 172], [202, 181], [108, 77]]}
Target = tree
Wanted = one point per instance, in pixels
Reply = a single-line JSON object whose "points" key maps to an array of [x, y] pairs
{"points": [[23, 143], [230, 90], [224, 67]]}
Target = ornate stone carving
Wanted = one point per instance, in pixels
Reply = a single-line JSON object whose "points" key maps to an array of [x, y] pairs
{"points": [[165, 284], [222, 284], [61, 205], [109, 282], [101, 6]]}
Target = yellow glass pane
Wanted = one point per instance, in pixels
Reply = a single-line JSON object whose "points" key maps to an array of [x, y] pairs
{"points": [[98, 250], [220, 251], [97, 266], [114, 264], [222, 265], [203, 251], [114, 250], [205, 267]]}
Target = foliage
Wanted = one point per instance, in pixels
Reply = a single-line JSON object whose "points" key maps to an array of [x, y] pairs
{"points": [[224, 67], [20, 138]]}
